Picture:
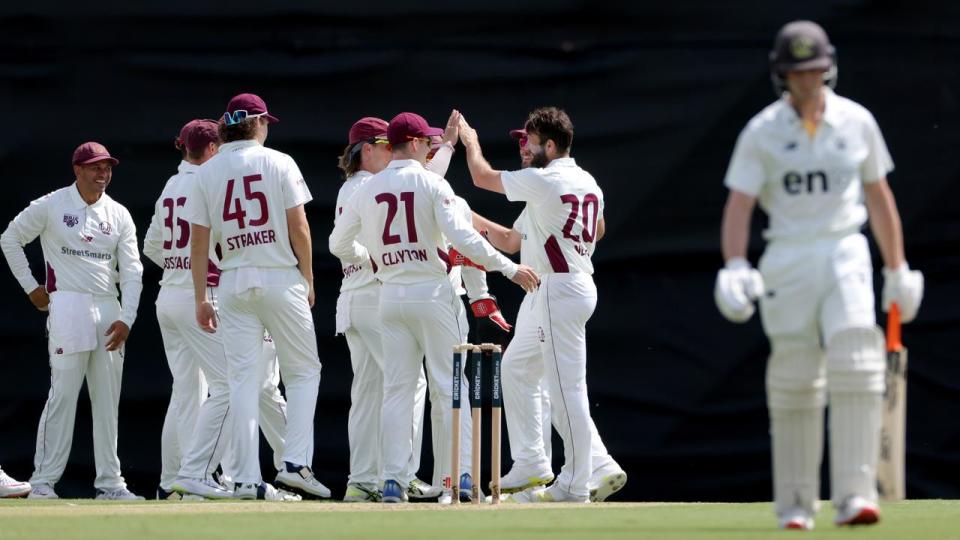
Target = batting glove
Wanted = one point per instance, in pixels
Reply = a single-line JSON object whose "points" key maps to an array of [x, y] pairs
{"points": [[738, 287], [458, 259], [487, 307], [905, 287]]}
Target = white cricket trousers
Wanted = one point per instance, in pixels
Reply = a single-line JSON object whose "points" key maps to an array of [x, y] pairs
{"points": [[196, 429], [103, 371], [419, 320], [278, 303], [366, 390], [529, 404]]}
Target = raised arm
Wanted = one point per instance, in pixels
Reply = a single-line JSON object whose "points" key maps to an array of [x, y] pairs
{"points": [[484, 176], [502, 238]]}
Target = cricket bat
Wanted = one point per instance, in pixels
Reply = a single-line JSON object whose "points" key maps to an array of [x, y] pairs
{"points": [[891, 467]]}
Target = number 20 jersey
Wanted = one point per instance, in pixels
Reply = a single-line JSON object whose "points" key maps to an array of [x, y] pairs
{"points": [[558, 227], [810, 187], [243, 194]]}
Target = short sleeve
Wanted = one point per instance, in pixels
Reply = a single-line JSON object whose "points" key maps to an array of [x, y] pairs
{"points": [[196, 210], [878, 162], [528, 184], [295, 190], [745, 173]]}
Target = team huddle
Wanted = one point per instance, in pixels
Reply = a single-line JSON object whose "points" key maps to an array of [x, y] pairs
{"points": [[231, 235]]}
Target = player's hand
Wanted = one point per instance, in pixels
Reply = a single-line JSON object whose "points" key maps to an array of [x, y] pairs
{"points": [[487, 307], [738, 287], [39, 298], [311, 295], [526, 278], [458, 259], [468, 135], [905, 287], [207, 317], [451, 134], [118, 332]]}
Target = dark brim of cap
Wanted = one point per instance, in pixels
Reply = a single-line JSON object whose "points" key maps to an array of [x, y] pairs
{"points": [[518, 133], [433, 132], [94, 159], [271, 118], [815, 63]]}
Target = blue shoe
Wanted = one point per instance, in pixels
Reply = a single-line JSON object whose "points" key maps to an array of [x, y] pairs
{"points": [[393, 493], [466, 488]]}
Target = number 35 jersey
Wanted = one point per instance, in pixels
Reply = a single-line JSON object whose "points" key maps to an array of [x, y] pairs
{"points": [[810, 187], [243, 194], [559, 224]]}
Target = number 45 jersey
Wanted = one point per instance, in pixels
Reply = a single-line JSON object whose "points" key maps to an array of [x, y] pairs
{"points": [[558, 227], [810, 186], [243, 194]]}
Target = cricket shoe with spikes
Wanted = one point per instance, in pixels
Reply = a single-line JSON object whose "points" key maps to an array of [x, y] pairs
{"points": [[393, 493], [552, 494], [262, 492], [207, 489], [796, 519], [300, 479], [361, 493], [522, 477], [418, 489], [12, 489], [856, 510], [606, 481], [118, 494], [466, 488]]}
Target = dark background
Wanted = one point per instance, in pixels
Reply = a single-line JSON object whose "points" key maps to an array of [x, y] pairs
{"points": [[658, 94]]}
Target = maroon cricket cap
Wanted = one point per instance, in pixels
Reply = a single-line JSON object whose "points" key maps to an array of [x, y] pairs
{"points": [[406, 126], [92, 152], [367, 128], [197, 134], [518, 133], [251, 103]]}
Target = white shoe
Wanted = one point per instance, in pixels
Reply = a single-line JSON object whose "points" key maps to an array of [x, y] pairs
{"points": [[552, 494], [797, 519], [605, 482], [856, 510], [119, 494], [263, 492], [10, 488], [361, 493], [446, 497], [42, 491], [206, 489], [523, 477], [418, 489], [300, 478]]}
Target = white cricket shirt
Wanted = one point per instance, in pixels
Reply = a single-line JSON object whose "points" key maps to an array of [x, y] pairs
{"points": [[167, 242], [401, 215], [810, 187], [360, 274], [242, 194], [559, 223], [87, 248]]}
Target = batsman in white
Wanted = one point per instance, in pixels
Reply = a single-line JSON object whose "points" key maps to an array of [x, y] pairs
{"points": [[817, 164], [89, 244], [399, 215], [358, 319], [196, 428], [12, 489], [249, 199], [527, 421], [563, 221]]}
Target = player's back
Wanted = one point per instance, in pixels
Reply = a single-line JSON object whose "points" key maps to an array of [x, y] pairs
{"points": [[399, 226], [247, 190], [564, 204]]}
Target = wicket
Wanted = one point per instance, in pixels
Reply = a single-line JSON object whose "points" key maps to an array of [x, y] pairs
{"points": [[476, 403]]}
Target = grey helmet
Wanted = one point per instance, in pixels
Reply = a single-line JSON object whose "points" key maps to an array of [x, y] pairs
{"points": [[801, 45]]}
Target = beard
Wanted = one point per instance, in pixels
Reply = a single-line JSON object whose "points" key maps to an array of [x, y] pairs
{"points": [[539, 159]]}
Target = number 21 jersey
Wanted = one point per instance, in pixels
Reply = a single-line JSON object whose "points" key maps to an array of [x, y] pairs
{"points": [[564, 204], [243, 194]]}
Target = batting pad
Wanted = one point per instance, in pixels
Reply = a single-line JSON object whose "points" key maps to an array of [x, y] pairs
{"points": [[797, 438], [855, 371]]}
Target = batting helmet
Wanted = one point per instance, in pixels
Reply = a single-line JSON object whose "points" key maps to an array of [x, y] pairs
{"points": [[802, 45]]}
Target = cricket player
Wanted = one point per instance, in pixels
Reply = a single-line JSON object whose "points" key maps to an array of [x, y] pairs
{"points": [[358, 319], [396, 219], [562, 221], [195, 436], [817, 164], [89, 244], [12, 489], [249, 199]]}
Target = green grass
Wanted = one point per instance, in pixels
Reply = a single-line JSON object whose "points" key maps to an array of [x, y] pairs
{"points": [[68, 520]]}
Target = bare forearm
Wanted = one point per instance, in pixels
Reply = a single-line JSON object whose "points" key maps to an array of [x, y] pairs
{"points": [[483, 174], [302, 245], [885, 223], [502, 238], [199, 255], [735, 228]]}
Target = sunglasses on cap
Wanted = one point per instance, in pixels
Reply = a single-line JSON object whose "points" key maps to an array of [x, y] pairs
{"points": [[238, 116], [372, 140]]}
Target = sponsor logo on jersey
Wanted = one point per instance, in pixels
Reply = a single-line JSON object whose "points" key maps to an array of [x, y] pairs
{"points": [[540, 335], [105, 228], [70, 220], [87, 254]]}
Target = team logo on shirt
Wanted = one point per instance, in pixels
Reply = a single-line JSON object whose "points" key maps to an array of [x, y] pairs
{"points": [[105, 228], [70, 220]]}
